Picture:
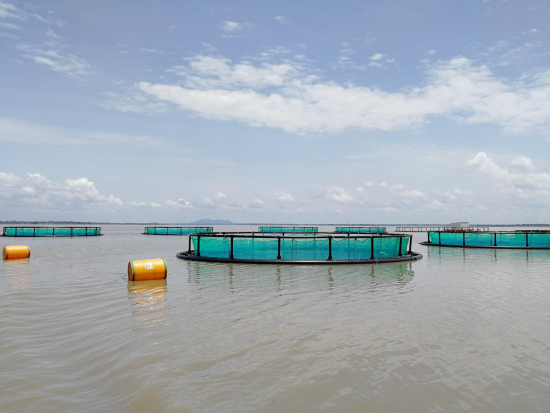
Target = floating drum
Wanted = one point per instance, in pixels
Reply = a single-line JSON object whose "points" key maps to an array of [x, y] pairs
{"points": [[146, 270], [15, 252]]}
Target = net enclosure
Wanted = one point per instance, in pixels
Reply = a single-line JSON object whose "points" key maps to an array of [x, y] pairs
{"points": [[176, 230], [360, 230], [308, 249], [292, 230], [51, 231], [499, 239]]}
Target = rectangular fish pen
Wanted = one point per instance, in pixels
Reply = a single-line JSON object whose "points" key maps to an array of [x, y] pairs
{"points": [[51, 231], [498, 239], [176, 230]]}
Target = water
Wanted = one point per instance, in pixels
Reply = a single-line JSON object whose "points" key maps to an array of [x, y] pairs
{"points": [[459, 330]]}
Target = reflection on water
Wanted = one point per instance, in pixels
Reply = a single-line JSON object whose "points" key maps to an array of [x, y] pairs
{"points": [[279, 276], [148, 300]]}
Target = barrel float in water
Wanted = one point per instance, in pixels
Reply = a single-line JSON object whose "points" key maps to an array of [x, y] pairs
{"points": [[15, 252], [146, 270]]}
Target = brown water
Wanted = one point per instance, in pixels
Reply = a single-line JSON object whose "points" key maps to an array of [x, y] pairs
{"points": [[460, 330]]}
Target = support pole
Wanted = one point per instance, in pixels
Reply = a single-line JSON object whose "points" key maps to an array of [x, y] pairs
{"points": [[189, 244], [400, 250], [410, 243], [372, 248], [463, 238], [198, 252], [527, 240], [495, 239], [231, 247], [278, 248], [330, 257]]}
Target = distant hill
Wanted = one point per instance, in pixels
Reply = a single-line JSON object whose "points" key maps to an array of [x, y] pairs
{"points": [[212, 222]]}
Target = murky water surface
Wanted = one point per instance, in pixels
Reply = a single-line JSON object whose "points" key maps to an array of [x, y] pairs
{"points": [[459, 330]]}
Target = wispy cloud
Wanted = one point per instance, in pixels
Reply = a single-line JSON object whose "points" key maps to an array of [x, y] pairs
{"points": [[282, 20], [69, 65]]}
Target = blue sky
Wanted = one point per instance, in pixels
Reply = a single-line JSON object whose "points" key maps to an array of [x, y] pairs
{"points": [[364, 112]]}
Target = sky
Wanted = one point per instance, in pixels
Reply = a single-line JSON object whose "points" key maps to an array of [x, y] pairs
{"points": [[275, 112]]}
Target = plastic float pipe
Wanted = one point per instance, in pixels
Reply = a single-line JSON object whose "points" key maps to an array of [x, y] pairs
{"points": [[147, 270], [15, 252]]}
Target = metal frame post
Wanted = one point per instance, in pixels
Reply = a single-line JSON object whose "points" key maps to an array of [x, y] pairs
{"points": [[495, 239], [231, 247], [439, 240], [410, 243], [400, 250], [198, 252], [463, 238], [278, 248], [330, 257], [526, 240], [372, 248], [189, 244]]}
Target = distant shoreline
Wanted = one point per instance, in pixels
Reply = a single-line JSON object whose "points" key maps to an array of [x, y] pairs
{"points": [[246, 223]]}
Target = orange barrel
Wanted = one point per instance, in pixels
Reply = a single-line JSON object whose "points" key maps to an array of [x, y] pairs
{"points": [[15, 252], [145, 270]]}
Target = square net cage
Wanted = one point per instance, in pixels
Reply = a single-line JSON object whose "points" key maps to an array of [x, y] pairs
{"points": [[176, 230], [51, 231], [360, 230], [491, 239], [282, 230]]}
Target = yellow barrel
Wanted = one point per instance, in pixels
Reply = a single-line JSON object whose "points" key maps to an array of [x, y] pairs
{"points": [[15, 252], [146, 270]]}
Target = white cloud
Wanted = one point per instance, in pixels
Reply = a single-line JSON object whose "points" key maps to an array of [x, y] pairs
{"points": [[283, 20], [282, 196], [300, 103], [257, 203], [432, 51], [49, 20], [522, 184], [228, 26], [207, 72], [69, 65], [377, 56], [220, 195], [9, 11], [37, 192], [338, 194], [522, 164], [10, 26]]}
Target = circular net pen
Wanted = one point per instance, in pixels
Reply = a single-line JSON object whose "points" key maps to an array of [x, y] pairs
{"points": [[51, 231], [299, 249], [501, 239], [289, 230], [176, 230], [360, 230]]}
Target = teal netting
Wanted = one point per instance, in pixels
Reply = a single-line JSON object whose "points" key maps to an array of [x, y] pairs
{"points": [[51, 231], [300, 249], [490, 239], [289, 229], [176, 230], [361, 230]]}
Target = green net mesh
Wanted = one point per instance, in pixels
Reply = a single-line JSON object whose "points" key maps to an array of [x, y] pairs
{"points": [[360, 230], [289, 229], [51, 231], [490, 239], [176, 230], [300, 249]]}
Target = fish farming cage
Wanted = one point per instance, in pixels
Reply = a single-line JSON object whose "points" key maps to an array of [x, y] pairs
{"points": [[320, 248], [290, 230], [51, 231], [360, 230], [521, 239], [176, 230]]}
